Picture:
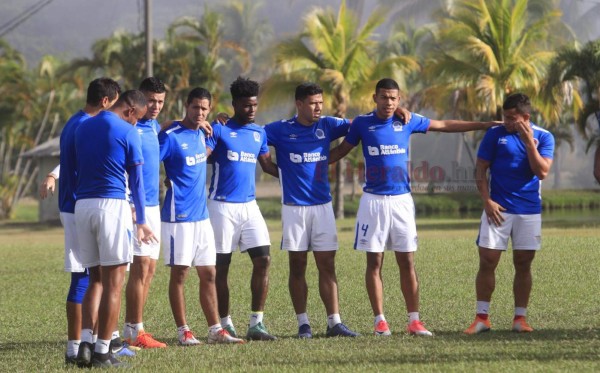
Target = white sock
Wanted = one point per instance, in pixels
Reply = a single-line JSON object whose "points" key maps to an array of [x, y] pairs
{"points": [[256, 317], [302, 319], [333, 320], [521, 311], [87, 335], [413, 316], [127, 330], [182, 329], [115, 334], [73, 347], [94, 338], [215, 329], [136, 328], [226, 321], [379, 318], [101, 346], [483, 307]]}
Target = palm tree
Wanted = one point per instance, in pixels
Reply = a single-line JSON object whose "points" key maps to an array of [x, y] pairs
{"points": [[335, 52]]}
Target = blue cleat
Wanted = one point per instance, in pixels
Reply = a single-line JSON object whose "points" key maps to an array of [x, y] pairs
{"points": [[304, 331], [340, 330], [125, 351]]}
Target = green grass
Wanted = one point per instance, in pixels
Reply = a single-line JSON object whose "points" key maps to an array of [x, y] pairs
{"points": [[564, 309]]}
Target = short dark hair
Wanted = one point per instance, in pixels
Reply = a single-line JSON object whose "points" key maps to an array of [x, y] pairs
{"points": [[307, 89], [243, 87], [386, 83], [518, 101], [198, 93], [100, 88], [133, 98], [152, 84]]}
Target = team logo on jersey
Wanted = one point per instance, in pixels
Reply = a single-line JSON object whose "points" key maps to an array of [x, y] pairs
{"points": [[184, 146], [296, 158], [140, 131], [233, 134], [373, 150], [193, 160], [233, 156], [397, 126], [293, 136], [372, 128], [320, 134], [502, 141], [256, 136]]}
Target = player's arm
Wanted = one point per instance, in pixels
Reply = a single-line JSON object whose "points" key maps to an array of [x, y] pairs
{"points": [[267, 165], [492, 209], [404, 114], [340, 151], [459, 125], [136, 185], [49, 183], [597, 164], [539, 165]]}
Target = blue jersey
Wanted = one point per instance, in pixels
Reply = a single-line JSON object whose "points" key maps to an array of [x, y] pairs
{"points": [[513, 185], [67, 181], [235, 150], [148, 130], [183, 153], [385, 148], [106, 146], [302, 157]]}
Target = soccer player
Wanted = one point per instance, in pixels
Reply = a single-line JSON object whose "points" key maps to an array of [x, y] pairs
{"points": [[101, 94], [518, 155], [107, 147], [188, 238], [145, 256], [235, 148], [386, 214], [302, 148]]}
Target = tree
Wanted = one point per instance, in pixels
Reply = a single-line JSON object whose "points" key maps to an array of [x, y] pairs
{"points": [[335, 52]]}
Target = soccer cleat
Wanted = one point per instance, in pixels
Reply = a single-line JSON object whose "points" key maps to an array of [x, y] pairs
{"points": [[416, 327], [304, 331], [382, 328], [116, 345], [231, 330], [520, 326], [340, 330], [125, 351], [145, 340], [84, 356], [259, 333], [70, 360], [107, 360], [479, 326], [188, 339], [222, 336]]}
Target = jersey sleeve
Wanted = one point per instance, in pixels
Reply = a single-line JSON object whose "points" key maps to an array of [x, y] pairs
{"points": [[264, 148], [418, 123], [271, 132], [487, 147], [353, 136], [338, 127], [546, 146], [164, 145], [134, 148], [211, 142]]}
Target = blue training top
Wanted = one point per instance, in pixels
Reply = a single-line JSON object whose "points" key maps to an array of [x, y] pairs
{"points": [[148, 130]]}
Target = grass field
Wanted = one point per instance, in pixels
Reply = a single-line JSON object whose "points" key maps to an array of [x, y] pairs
{"points": [[564, 309]]}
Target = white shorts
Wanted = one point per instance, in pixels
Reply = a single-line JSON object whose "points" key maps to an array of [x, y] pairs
{"points": [[189, 244], [72, 256], [152, 249], [386, 223], [308, 228], [525, 232], [237, 225], [104, 231]]}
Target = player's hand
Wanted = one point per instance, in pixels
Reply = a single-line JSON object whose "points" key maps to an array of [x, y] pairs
{"points": [[493, 211], [207, 128], [222, 118], [145, 234], [525, 131], [404, 114], [47, 186]]}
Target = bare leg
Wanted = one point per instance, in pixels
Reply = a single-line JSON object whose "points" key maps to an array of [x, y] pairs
{"points": [[176, 294], [522, 260], [485, 282], [208, 294], [408, 280], [374, 282], [110, 304], [297, 280], [91, 300], [259, 284], [328, 287], [141, 273]]}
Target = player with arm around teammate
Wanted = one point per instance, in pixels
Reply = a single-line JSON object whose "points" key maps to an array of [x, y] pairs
{"points": [[107, 149], [101, 94], [517, 155], [386, 214], [188, 238]]}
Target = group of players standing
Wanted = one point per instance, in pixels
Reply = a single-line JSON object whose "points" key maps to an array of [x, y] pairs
{"points": [[116, 143]]}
